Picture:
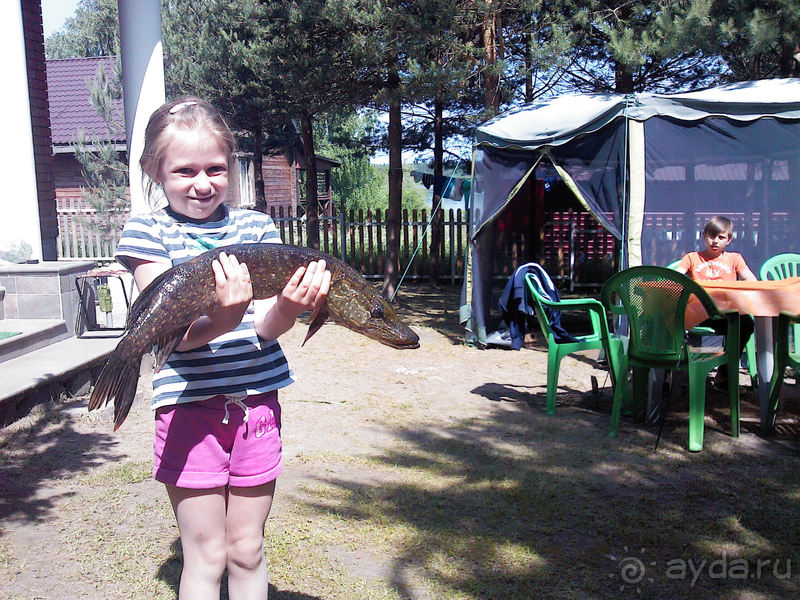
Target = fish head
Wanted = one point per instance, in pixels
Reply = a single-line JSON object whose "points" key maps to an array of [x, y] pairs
{"points": [[353, 303]]}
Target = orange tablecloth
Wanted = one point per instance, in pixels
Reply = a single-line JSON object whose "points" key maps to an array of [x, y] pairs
{"points": [[756, 298]]}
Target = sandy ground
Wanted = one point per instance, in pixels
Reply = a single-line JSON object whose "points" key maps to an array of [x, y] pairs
{"points": [[354, 398]]}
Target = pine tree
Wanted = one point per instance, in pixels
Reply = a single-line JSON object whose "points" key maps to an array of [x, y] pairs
{"points": [[93, 31], [758, 39], [105, 173], [626, 47]]}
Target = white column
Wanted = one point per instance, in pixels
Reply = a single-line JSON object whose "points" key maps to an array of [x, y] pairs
{"points": [[142, 81], [637, 192], [20, 200]]}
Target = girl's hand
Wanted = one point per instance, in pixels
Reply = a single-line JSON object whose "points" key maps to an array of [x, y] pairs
{"points": [[307, 289], [234, 292]]}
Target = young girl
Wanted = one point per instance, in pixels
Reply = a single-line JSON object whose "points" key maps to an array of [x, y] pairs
{"points": [[217, 441]]}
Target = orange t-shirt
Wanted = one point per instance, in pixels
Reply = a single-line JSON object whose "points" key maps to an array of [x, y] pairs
{"points": [[724, 268]]}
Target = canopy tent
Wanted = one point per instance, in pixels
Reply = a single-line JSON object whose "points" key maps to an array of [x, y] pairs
{"points": [[651, 168]]}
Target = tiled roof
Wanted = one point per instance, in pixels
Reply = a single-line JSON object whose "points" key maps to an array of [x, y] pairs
{"points": [[70, 102]]}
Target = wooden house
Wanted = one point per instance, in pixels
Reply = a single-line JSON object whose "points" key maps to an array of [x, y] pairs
{"points": [[284, 182], [71, 110]]}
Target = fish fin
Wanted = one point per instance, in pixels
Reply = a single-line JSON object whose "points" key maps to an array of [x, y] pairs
{"points": [[166, 345], [318, 318], [117, 381]]}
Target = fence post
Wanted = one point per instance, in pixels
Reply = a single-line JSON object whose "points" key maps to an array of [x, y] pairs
{"points": [[405, 239], [451, 243], [353, 255], [421, 224], [381, 234]]}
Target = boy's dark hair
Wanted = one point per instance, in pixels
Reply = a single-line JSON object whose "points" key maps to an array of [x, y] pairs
{"points": [[717, 225]]}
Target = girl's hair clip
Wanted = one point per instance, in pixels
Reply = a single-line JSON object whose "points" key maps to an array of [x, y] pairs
{"points": [[180, 106]]}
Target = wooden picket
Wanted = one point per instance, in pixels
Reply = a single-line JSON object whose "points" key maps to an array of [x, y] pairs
{"points": [[365, 241], [77, 239], [572, 246]]}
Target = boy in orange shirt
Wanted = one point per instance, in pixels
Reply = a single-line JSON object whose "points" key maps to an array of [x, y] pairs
{"points": [[715, 264]]}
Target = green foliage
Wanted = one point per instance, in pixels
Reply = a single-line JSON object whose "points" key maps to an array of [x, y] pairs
{"points": [[621, 46], [359, 184], [414, 194], [106, 175], [93, 31], [269, 64], [348, 139], [758, 39]]}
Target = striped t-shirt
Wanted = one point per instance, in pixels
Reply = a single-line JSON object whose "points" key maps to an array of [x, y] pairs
{"points": [[236, 362]]}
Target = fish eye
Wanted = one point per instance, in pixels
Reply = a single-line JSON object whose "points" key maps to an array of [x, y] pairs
{"points": [[376, 312]]}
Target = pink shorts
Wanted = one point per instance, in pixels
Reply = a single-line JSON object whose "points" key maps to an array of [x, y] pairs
{"points": [[194, 449]]}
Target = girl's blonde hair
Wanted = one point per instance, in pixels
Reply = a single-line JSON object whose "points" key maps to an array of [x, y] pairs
{"points": [[185, 114]]}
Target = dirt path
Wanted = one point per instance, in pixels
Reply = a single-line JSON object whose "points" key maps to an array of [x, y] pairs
{"points": [[374, 439]]}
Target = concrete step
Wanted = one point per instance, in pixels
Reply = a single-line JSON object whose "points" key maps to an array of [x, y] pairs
{"points": [[30, 335], [68, 366]]}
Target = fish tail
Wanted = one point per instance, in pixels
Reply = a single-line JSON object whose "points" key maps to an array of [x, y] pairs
{"points": [[117, 381]]}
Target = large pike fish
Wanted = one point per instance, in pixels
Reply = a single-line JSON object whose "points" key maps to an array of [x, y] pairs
{"points": [[163, 312]]}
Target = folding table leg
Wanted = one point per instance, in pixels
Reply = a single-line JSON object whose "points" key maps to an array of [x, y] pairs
{"points": [[765, 360]]}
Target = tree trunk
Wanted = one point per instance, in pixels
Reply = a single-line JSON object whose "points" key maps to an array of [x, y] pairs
{"points": [[623, 79], [492, 47], [436, 217], [258, 170], [528, 68], [391, 271], [788, 63], [312, 204]]}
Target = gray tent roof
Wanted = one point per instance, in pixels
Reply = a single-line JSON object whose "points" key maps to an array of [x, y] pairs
{"points": [[555, 122]]}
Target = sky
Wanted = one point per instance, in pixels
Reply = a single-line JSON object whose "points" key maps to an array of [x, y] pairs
{"points": [[55, 12]]}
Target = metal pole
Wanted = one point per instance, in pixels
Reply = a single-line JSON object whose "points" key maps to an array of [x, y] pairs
{"points": [[142, 81]]}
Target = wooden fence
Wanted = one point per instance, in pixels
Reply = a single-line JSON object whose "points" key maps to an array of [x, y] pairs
{"points": [[571, 245], [77, 237], [359, 239]]}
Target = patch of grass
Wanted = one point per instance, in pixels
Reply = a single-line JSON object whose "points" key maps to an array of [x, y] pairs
{"points": [[120, 544], [469, 495], [469, 515], [119, 474], [5, 559], [300, 556]]}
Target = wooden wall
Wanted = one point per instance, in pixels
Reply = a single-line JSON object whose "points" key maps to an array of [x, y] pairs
{"points": [[40, 121]]}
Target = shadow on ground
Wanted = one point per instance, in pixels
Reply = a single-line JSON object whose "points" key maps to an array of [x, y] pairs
{"points": [[526, 505], [170, 573], [432, 306], [33, 456]]}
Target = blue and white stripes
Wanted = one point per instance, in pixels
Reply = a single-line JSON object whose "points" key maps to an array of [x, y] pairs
{"points": [[236, 362]]}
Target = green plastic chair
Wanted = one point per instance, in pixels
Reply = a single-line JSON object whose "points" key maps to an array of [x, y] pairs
{"points": [[782, 266], [784, 357], [654, 300], [599, 338], [749, 348]]}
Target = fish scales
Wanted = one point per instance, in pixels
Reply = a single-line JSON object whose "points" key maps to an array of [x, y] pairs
{"points": [[163, 311]]}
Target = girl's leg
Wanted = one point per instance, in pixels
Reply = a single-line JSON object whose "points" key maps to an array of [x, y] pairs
{"points": [[248, 509], [201, 519]]}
